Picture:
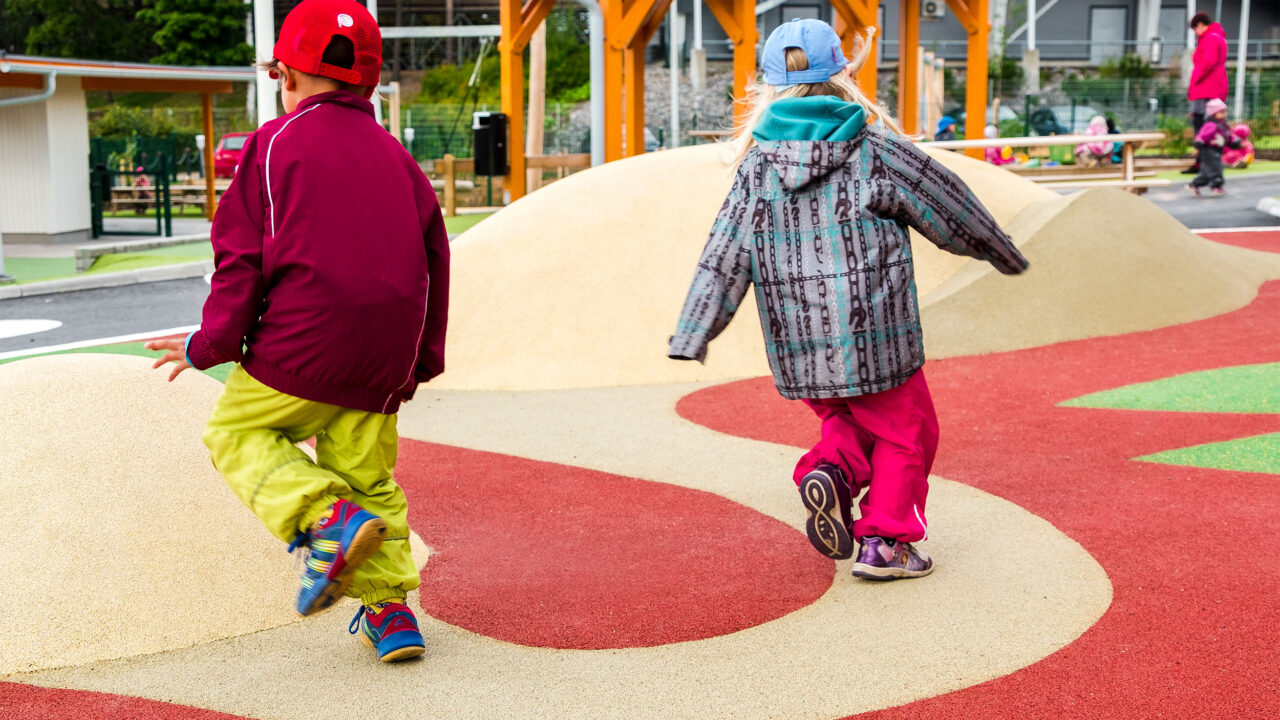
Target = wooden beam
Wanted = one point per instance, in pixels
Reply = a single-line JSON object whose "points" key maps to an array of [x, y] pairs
{"points": [[851, 36], [656, 16], [210, 192], [22, 80], [744, 55], [511, 64], [633, 99], [532, 14], [969, 15], [908, 67], [724, 12], [613, 81], [634, 19], [975, 105], [572, 161], [156, 85]]}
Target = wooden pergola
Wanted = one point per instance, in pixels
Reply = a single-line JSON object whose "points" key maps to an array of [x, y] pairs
{"points": [[629, 25]]}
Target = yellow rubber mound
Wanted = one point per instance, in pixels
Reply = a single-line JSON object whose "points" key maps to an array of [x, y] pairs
{"points": [[580, 284], [1103, 262], [120, 538]]}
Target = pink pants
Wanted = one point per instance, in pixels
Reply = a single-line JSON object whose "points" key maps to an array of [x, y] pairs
{"points": [[884, 443]]}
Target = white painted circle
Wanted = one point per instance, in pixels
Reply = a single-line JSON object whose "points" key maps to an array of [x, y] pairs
{"points": [[14, 328]]}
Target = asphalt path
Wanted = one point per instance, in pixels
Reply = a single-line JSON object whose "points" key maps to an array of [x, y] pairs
{"points": [[140, 309], [1238, 208], [106, 312]]}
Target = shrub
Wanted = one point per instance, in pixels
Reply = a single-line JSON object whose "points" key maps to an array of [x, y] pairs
{"points": [[1175, 130]]}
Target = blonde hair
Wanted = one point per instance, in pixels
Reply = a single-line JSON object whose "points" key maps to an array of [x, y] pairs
{"points": [[841, 85]]}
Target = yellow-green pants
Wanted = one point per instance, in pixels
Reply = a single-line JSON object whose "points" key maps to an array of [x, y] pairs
{"points": [[252, 439]]}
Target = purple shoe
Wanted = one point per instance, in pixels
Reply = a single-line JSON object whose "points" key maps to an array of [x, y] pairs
{"points": [[822, 491], [881, 559]]}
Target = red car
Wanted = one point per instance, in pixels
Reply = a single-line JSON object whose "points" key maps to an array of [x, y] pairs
{"points": [[227, 154]]}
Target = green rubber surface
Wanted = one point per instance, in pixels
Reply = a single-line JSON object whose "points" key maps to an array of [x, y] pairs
{"points": [[1239, 389], [1259, 454]]}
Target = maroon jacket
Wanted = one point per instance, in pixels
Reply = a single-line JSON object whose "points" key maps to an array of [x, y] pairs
{"points": [[332, 262], [1209, 66]]}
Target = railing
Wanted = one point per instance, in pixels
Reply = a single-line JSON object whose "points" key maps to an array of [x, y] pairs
{"points": [[1129, 142]]}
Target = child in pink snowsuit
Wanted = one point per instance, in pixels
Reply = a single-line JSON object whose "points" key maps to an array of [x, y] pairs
{"points": [[817, 219]]}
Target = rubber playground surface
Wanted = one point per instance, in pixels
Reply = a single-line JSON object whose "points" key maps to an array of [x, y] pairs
{"points": [[1105, 515]]}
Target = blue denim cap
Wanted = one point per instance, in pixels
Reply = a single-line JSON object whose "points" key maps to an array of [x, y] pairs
{"points": [[819, 42]]}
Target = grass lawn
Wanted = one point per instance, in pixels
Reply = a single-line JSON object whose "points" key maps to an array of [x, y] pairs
{"points": [[462, 223], [29, 270], [179, 211]]}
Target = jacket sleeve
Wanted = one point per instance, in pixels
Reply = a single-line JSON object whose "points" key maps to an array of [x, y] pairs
{"points": [[909, 186], [236, 289], [436, 237], [720, 280]]}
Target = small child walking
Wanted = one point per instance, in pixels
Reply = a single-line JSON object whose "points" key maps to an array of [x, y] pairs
{"points": [[1214, 136], [331, 292], [825, 189]]}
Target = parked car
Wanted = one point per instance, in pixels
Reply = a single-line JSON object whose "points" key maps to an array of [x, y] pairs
{"points": [[1077, 123], [226, 156]]}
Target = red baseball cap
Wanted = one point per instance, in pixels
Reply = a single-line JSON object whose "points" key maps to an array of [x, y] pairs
{"points": [[309, 27]]}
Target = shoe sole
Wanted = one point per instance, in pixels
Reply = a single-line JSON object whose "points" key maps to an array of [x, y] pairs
{"points": [[403, 653], [871, 572], [827, 535], [363, 546]]}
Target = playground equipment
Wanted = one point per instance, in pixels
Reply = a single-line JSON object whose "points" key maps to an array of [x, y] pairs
{"points": [[630, 24]]}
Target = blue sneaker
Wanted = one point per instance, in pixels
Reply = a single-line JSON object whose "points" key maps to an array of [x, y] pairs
{"points": [[340, 545], [392, 632]]}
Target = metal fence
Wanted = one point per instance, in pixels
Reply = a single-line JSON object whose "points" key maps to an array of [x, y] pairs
{"points": [[130, 202], [440, 129]]}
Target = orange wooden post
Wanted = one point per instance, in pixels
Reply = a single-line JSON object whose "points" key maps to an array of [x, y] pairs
{"points": [[518, 25], [744, 53], [976, 21], [633, 99], [613, 11], [210, 187], [511, 64], [908, 68]]}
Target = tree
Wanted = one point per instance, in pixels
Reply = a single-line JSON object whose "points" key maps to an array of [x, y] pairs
{"points": [[88, 29], [200, 32]]}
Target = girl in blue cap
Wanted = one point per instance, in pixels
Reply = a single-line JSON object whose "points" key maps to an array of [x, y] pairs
{"points": [[817, 219], [946, 128]]}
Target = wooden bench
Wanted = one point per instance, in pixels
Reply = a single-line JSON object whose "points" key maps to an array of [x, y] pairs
{"points": [[86, 254], [1100, 176]]}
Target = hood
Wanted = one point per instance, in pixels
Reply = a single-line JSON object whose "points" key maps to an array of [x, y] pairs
{"points": [[1216, 29], [807, 138]]}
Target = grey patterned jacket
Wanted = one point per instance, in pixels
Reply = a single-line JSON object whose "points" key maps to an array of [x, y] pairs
{"points": [[820, 228]]}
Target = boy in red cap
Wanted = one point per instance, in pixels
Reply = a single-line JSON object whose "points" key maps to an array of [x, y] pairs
{"points": [[331, 292]]}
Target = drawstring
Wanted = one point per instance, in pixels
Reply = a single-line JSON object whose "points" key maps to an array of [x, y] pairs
{"points": [[354, 627]]}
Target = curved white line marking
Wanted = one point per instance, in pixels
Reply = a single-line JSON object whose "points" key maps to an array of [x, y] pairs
{"points": [[134, 337], [14, 328], [208, 279]]}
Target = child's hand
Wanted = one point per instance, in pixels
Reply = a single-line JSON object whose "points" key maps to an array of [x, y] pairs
{"points": [[177, 354]]}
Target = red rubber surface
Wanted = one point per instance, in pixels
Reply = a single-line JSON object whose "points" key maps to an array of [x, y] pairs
{"points": [[27, 702], [1266, 241], [1194, 627], [555, 556]]}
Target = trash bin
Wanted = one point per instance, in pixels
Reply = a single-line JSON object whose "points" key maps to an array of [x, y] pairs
{"points": [[489, 132]]}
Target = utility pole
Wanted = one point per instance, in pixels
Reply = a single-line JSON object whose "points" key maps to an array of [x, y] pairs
{"points": [[1238, 112]]}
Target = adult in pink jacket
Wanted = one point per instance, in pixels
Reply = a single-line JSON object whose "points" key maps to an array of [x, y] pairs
{"points": [[1208, 71]]}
